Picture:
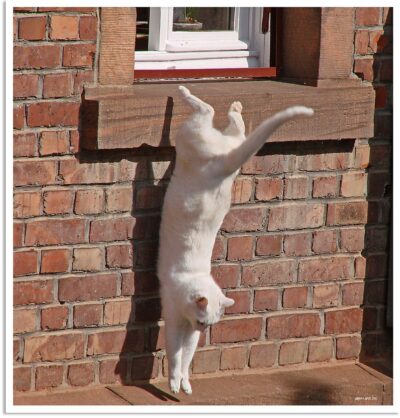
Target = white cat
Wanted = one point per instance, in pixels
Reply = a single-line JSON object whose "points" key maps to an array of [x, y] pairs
{"points": [[197, 200]]}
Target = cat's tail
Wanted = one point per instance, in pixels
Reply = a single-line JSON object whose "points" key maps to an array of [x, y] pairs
{"points": [[238, 156]]}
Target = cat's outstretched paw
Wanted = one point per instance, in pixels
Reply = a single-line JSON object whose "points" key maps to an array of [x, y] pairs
{"points": [[184, 91], [174, 385], [236, 107], [186, 386]]}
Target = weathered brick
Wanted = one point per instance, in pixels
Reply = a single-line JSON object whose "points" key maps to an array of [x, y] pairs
{"points": [[79, 55], [22, 378], [25, 85], [53, 114], [240, 248], [57, 85], [74, 172], [352, 239], [375, 292], [17, 345], [266, 299], [116, 341], [150, 197], [269, 273], [18, 117], [55, 231], [80, 374], [292, 352], [235, 330], [218, 252], [37, 57], [323, 269], [58, 201], [53, 347], [64, 27], [26, 204], [119, 199], [324, 242], [296, 216], [206, 361], [320, 350], [322, 162], [113, 370], [30, 173], [262, 355], [361, 42], [74, 141], [348, 347], [242, 301], [376, 239], [233, 358], [88, 259], [54, 143], [226, 275], [242, 220], [120, 256], [25, 145], [364, 68], [297, 244], [325, 295], [68, 9], [90, 201], [87, 315], [24, 320], [139, 283], [367, 16], [47, 377], [54, 317], [55, 261], [25, 262], [148, 309], [378, 184], [269, 189], [114, 229], [18, 233], [268, 164], [295, 297], [293, 325], [33, 292], [80, 78], [242, 190], [343, 321], [32, 28], [88, 28], [296, 187], [362, 157], [269, 245], [144, 368], [353, 184], [117, 312], [146, 255], [93, 287], [347, 213]]}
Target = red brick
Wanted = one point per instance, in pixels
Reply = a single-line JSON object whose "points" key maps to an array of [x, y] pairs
{"points": [[25, 262], [15, 28], [353, 294], [18, 117], [292, 352], [387, 18], [74, 140], [347, 213], [79, 55], [269, 188], [74, 172], [55, 317], [269, 245], [375, 292], [242, 190], [266, 299], [360, 265], [293, 325], [242, 220], [262, 355], [148, 309], [297, 244], [114, 229], [295, 297], [323, 162], [364, 68], [324, 242], [379, 41], [157, 338], [64, 27], [218, 252], [235, 330], [139, 283], [55, 261], [17, 344], [378, 184], [90, 201], [296, 216], [150, 197], [120, 256], [320, 350], [242, 301], [48, 376], [296, 187], [146, 255], [113, 370], [361, 42], [233, 358], [119, 199], [325, 295], [87, 259], [269, 273], [368, 16], [226, 275], [27, 173], [93, 287], [381, 156], [53, 114], [22, 378], [80, 79], [348, 347], [352, 239], [87, 315], [68, 9], [325, 269], [38, 56], [24, 320], [370, 318], [117, 312], [240, 248], [32, 28], [26, 204], [54, 142], [26, 85], [18, 233], [33, 292], [65, 346], [353, 184], [58, 202], [116, 341], [362, 157], [24, 9], [25, 145], [343, 321], [88, 28], [383, 124], [80, 374], [206, 361], [377, 239], [57, 85], [55, 231], [268, 164]]}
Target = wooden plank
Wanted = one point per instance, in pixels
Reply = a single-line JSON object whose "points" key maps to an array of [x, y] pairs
{"points": [[126, 117], [117, 45]]}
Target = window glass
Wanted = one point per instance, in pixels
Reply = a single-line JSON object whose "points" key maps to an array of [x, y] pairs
{"points": [[203, 19]]}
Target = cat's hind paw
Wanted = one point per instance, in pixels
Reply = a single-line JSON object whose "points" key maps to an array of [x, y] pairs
{"points": [[174, 385], [186, 387], [236, 107], [184, 91]]}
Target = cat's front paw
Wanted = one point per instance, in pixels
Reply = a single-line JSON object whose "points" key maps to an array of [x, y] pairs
{"points": [[186, 386], [236, 107], [174, 385]]}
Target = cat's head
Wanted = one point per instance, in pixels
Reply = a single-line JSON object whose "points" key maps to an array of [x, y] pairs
{"points": [[206, 307]]}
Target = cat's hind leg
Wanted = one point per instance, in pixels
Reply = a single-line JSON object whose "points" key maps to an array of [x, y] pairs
{"points": [[174, 333], [236, 123], [196, 104], [189, 344]]}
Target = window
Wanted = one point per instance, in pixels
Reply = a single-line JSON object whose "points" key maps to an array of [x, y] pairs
{"points": [[202, 38]]}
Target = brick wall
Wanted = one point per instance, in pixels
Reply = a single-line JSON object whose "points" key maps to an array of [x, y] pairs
{"points": [[303, 250]]}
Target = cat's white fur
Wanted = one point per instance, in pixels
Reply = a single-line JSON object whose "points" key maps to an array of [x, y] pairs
{"points": [[196, 202]]}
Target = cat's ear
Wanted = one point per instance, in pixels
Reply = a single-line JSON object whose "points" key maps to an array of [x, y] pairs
{"points": [[227, 302], [201, 302]]}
